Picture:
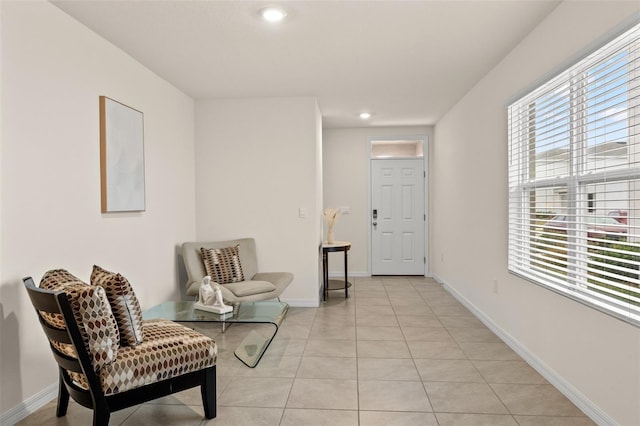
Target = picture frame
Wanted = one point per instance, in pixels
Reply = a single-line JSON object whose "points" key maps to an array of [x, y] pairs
{"points": [[121, 157]]}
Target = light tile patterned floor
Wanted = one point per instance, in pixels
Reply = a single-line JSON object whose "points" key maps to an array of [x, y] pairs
{"points": [[400, 351]]}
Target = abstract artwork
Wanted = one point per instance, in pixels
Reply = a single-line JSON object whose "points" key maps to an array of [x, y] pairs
{"points": [[121, 157]]}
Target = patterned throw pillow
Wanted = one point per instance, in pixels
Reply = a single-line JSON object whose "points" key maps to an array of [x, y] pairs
{"points": [[223, 264], [92, 313], [124, 304]]}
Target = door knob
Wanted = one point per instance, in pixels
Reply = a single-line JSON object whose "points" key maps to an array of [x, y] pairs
{"points": [[375, 223]]}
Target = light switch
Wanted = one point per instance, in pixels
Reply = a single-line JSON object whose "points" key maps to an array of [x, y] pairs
{"points": [[302, 212], [345, 210]]}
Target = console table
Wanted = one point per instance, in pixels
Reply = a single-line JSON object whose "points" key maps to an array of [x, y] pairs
{"points": [[328, 284]]}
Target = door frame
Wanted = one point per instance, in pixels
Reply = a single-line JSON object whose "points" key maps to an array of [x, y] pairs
{"points": [[425, 159]]}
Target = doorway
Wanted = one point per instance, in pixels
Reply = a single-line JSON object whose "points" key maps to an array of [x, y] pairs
{"points": [[398, 219]]}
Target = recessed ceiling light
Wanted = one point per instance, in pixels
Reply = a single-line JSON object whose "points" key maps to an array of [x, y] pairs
{"points": [[273, 14], [365, 115]]}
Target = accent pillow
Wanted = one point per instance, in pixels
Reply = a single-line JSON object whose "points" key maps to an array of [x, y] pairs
{"points": [[92, 313], [223, 264], [124, 304]]}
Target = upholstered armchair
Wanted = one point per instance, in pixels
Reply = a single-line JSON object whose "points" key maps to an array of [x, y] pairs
{"points": [[234, 264], [110, 358]]}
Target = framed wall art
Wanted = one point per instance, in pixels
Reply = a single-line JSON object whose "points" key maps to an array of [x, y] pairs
{"points": [[121, 157]]}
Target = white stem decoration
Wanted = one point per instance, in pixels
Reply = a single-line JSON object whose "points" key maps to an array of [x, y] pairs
{"points": [[330, 215]]}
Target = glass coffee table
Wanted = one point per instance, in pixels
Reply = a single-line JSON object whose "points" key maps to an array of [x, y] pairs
{"points": [[253, 346]]}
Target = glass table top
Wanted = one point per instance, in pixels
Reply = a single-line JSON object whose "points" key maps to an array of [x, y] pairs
{"points": [[244, 312]]}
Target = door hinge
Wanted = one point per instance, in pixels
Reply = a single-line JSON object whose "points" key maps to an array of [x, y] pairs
{"points": [[425, 217], [425, 260], [424, 173]]}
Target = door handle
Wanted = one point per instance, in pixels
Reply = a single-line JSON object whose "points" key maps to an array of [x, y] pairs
{"points": [[375, 224]]}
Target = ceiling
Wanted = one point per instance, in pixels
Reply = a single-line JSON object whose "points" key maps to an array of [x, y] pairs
{"points": [[408, 62]]}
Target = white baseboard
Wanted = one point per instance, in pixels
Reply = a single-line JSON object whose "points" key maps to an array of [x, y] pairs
{"points": [[29, 406], [351, 274], [301, 303], [587, 406], [361, 275]]}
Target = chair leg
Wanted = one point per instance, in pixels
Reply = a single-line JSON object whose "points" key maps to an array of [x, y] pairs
{"points": [[101, 415], [63, 398], [225, 326], [101, 419], [208, 390]]}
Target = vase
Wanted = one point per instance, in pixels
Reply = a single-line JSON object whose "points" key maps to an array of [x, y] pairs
{"points": [[330, 239]]}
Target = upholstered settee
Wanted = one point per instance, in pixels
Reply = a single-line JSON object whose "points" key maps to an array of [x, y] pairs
{"points": [[252, 285]]}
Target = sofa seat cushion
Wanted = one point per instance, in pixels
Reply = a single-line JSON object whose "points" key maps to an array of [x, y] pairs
{"points": [[168, 350], [248, 288], [279, 279]]}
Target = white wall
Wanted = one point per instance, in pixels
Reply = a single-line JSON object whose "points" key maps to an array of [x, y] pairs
{"points": [[256, 165], [346, 184], [595, 356], [53, 71]]}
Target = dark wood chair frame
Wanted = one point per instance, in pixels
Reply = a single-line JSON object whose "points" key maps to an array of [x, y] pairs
{"points": [[94, 398]]}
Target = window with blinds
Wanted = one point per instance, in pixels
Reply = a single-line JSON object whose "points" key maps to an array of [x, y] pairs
{"points": [[574, 181]]}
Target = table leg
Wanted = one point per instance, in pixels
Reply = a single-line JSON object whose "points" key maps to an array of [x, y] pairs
{"points": [[325, 275], [346, 282], [253, 346]]}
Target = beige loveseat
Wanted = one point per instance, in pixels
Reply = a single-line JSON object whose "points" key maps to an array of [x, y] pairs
{"points": [[257, 285]]}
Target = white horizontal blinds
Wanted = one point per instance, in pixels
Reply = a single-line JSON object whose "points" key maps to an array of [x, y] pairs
{"points": [[574, 180]]}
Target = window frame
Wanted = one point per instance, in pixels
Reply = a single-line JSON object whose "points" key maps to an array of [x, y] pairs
{"points": [[524, 253]]}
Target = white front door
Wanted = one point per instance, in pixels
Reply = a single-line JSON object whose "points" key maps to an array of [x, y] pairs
{"points": [[397, 217]]}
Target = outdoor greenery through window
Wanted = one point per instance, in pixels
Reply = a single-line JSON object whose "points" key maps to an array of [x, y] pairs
{"points": [[574, 181]]}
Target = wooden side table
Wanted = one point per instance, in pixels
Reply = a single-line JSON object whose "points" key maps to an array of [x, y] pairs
{"points": [[328, 284]]}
